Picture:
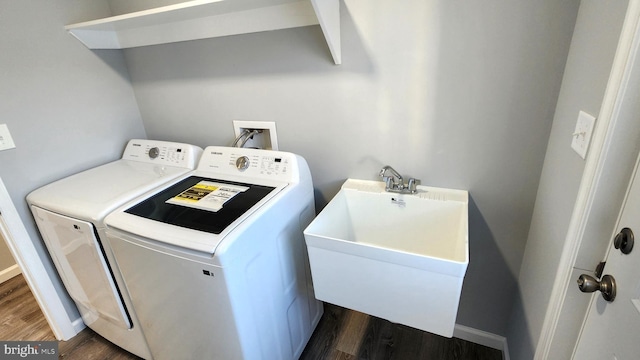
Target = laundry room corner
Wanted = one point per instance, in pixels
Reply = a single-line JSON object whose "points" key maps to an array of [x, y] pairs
{"points": [[474, 98]]}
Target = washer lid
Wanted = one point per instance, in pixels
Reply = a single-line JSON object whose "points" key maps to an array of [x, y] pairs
{"points": [[201, 203]]}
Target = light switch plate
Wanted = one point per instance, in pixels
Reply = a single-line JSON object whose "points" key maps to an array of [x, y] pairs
{"points": [[582, 134], [6, 141]]}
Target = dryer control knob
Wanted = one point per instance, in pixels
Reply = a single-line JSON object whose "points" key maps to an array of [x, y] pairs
{"points": [[153, 152], [242, 163]]}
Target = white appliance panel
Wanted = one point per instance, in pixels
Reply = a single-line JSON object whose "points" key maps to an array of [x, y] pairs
{"points": [[94, 193], [243, 293], [77, 254], [70, 213], [166, 289]]}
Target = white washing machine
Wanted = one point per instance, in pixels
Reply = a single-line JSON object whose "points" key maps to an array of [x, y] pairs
{"points": [[216, 262], [70, 213]]}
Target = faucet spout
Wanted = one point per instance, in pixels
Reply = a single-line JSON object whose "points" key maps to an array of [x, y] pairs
{"points": [[393, 172], [395, 183]]}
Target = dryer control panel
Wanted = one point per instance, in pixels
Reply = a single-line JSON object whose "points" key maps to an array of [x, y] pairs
{"points": [[256, 163], [162, 153]]}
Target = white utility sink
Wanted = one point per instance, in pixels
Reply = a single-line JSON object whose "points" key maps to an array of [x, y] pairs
{"points": [[400, 257]]}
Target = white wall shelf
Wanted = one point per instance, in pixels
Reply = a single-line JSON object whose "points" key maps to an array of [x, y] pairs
{"points": [[201, 19]]}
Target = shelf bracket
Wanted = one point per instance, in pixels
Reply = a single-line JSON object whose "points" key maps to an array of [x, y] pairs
{"points": [[328, 12]]}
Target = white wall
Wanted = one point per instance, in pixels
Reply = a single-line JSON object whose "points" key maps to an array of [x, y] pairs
{"points": [[588, 66], [119, 7], [458, 93], [67, 108]]}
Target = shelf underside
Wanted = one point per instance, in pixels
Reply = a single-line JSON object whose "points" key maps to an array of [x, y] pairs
{"points": [[195, 20]]}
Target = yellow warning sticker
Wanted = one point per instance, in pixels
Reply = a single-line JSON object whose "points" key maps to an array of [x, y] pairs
{"points": [[195, 193], [207, 195]]}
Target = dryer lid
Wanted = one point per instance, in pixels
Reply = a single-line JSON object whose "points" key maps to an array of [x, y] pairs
{"points": [[92, 194], [201, 203]]}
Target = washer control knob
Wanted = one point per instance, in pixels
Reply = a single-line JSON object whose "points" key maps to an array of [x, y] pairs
{"points": [[242, 163], [153, 152]]}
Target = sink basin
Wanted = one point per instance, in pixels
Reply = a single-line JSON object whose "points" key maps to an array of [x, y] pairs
{"points": [[400, 257]]}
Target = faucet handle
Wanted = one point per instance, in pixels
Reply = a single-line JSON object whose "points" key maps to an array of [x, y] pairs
{"points": [[412, 184], [388, 180]]}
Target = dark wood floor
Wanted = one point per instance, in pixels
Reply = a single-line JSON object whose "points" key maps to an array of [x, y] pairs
{"points": [[22, 319], [342, 334]]}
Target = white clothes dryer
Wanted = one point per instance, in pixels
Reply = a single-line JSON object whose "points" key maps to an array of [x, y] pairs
{"points": [[216, 262], [69, 214]]}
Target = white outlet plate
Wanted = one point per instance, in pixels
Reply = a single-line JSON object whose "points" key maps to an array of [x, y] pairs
{"points": [[267, 140], [6, 141], [582, 134]]}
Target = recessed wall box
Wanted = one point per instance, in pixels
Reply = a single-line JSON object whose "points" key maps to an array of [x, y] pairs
{"points": [[267, 139]]}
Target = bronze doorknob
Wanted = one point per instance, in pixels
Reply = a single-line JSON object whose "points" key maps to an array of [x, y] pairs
{"points": [[607, 286]]}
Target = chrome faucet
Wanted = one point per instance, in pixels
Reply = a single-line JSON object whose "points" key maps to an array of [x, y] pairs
{"points": [[395, 183]]}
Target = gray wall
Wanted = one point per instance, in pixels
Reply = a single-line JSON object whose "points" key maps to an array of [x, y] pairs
{"points": [[460, 94], [67, 108], [588, 66]]}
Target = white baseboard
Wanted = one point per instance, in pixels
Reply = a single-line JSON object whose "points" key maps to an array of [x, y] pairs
{"points": [[482, 338], [78, 325], [9, 272]]}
